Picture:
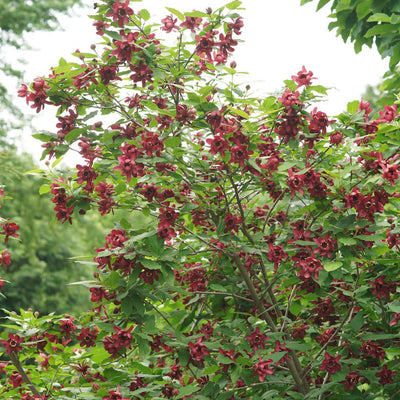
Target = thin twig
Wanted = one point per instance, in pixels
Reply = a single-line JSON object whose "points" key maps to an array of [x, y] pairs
{"points": [[15, 360]]}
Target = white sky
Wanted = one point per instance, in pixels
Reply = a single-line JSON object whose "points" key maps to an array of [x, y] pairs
{"points": [[280, 37]]}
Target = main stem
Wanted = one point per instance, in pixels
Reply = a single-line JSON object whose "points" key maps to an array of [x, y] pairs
{"points": [[293, 363]]}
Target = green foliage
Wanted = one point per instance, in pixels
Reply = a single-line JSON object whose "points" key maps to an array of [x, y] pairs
{"points": [[265, 263], [42, 266], [366, 22], [17, 18], [20, 16]]}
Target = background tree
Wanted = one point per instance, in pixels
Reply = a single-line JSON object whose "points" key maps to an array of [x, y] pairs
{"points": [[369, 22], [47, 257], [17, 18], [41, 266]]}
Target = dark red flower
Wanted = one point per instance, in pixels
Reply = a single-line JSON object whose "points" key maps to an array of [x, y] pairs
{"points": [[218, 145], [303, 77], [276, 254], [319, 122], [183, 114], [382, 288], [88, 337], [262, 369], [100, 26], [5, 258], [351, 381], [120, 13], [164, 232], [108, 74], [169, 24], [198, 351], [309, 268], [13, 343], [295, 182], [169, 392], [325, 246], [119, 341], [149, 275], [126, 46], [257, 340], [300, 331], [127, 162], [115, 395], [84, 79], [141, 73], [16, 379], [67, 326], [236, 25], [388, 114], [116, 238], [232, 222], [385, 375], [364, 106], [66, 124], [372, 349], [290, 98], [330, 364], [191, 23], [240, 154], [9, 229], [205, 45], [336, 138]]}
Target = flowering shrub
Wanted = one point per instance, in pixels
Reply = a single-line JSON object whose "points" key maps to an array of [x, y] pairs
{"points": [[269, 264], [7, 229]]}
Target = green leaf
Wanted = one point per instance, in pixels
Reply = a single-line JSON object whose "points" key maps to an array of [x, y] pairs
{"points": [[196, 14], [112, 281], [156, 244], [295, 308], [158, 73], [233, 5], [297, 346], [395, 19], [332, 265], [295, 395], [395, 59], [74, 134], [286, 165], [150, 264], [44, 137], [363, 8], [183, 356], [290, 84], [346, 221], [176, 12], [99, 355], [381, 29], [144, 14], [44, 189], [58, 160], [371, 238], [379, 17], [112, 34], [322, 3], [319, 89], [357, 322], [241, 113], [174, 141], [348, 241], [395, 306], [352, 107]]}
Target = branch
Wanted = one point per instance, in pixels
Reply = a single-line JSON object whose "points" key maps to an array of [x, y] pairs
{"points": [[15, 360]]}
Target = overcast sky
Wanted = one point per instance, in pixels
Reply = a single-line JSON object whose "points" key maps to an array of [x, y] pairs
{"points": [[280, 37]]}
